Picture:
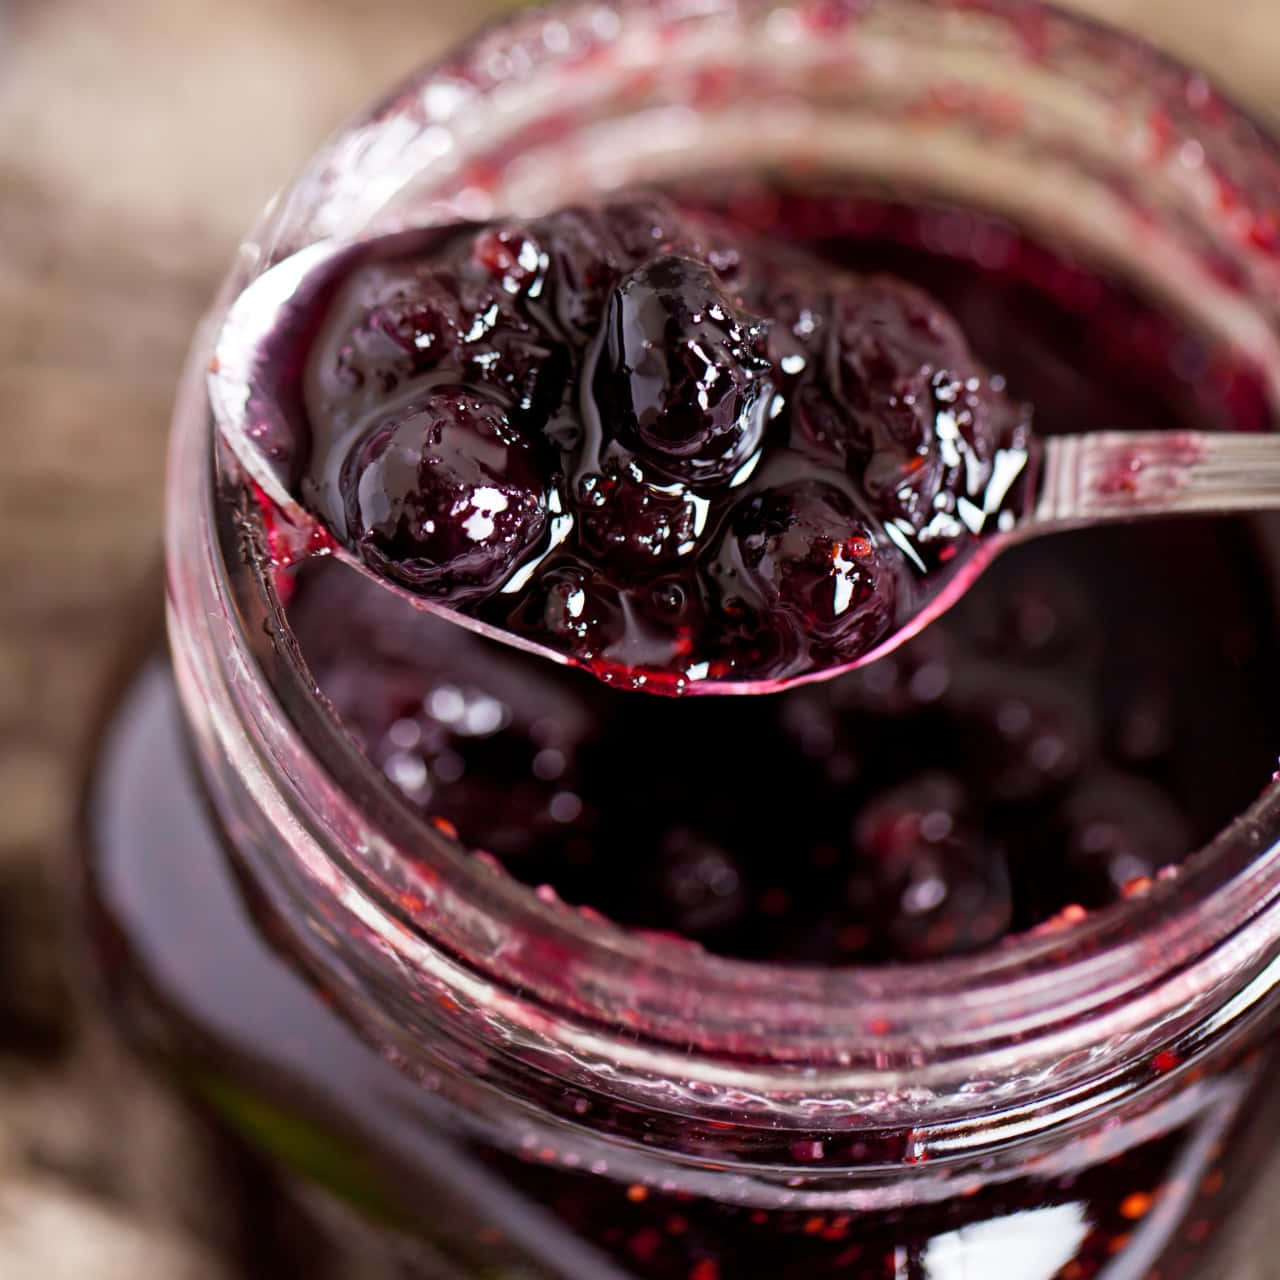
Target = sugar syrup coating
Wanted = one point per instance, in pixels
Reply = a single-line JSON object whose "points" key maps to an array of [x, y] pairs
{"points": [[891, 388], [803, 554], [719, 457], [634, 520]]}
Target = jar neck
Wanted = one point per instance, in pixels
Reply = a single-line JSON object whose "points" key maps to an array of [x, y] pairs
{"points": [[451, 965]]}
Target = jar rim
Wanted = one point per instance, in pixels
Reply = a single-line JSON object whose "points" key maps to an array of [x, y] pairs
{"points": [[1134, 978]]}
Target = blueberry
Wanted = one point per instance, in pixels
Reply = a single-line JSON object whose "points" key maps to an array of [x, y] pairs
{"points": [[702, 886], [639, 227], [1117, 829], [633, 520], [684, 374], [444, 496], [581, 614], [456, 315], [589, 248], [820, 427], [926, 880], [925, 420], [904, 683], [469, 731], [804, 551], [1025, 736], [514, 257], [770, 473]]}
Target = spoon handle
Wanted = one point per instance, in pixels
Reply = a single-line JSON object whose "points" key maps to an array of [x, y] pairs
{"points": [[1124, 475]]}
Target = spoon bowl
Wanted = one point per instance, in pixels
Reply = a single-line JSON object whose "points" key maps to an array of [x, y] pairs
{"points": [[1073, 481]]}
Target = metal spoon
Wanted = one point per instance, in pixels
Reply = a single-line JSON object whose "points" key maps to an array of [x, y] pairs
{"points": [[1096, 478]]}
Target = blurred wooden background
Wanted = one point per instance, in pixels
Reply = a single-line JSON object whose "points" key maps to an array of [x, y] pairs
{"points": [[138, 139]]}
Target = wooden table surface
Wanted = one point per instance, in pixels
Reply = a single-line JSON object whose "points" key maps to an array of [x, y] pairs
{"points": [[138, 138]]}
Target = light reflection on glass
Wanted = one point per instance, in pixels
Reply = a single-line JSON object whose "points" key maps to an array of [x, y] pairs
{"points": [[1032, 1245]]}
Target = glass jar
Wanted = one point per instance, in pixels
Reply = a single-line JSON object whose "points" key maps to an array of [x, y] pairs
{"points": [[528, 1090]]}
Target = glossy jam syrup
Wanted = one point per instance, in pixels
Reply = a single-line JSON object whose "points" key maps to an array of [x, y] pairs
{"points": [[1057, 742], [648, 440]]}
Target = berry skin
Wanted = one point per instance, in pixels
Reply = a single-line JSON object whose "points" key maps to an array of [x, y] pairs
{"points": [[684, 374], [633, 520], [513, 258], [582, 615], [924, 422], [804, 551], [926, 879], [590, 249], [1026, 736], [1117, 829], [398, 323], [445, 497]]}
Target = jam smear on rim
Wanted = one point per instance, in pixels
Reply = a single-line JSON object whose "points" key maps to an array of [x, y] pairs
{"points": [[662, 446]]}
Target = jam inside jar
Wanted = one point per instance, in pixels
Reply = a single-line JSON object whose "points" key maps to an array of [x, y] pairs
{"points": [[911, 975]]}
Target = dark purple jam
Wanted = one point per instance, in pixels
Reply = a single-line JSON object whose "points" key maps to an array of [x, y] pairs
{"points": [[1097, 706], [205, 976], [1037, 749], [651, 441], [1060, 740]]}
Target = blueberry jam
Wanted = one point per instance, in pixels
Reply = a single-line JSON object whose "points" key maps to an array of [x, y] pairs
{"points": [[1035, 750], [1037, 753], [657, 444], [1097, 706], [206, 977]]}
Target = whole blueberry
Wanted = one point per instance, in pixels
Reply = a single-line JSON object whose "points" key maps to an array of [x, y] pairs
{"points": [[632, 519], [1116, 829], [925, 877], [923, 419], [804, 550], [684, 373], [444, 496]]}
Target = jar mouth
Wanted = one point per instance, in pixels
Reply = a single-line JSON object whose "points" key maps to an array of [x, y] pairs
{"points": [[1143, 975]]}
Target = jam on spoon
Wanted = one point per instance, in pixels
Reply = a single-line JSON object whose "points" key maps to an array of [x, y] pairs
{"points": [[646, 443], [652, 445]]}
